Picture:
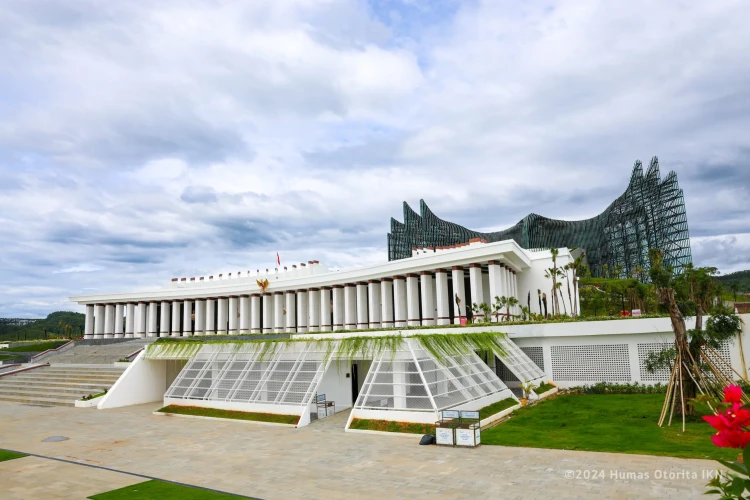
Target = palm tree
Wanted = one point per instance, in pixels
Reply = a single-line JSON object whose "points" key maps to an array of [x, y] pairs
{"points": [[512, 302], [559, 290], [539, 296], [567, 278], [576, 266], [544, 301], [497, 306], [554, 252]]}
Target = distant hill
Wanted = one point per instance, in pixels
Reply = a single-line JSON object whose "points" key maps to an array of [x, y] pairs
{"points": [[742, 278], [55, 325]]}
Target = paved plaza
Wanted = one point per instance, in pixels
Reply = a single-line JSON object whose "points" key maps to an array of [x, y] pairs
{"points": [[317, 461]]}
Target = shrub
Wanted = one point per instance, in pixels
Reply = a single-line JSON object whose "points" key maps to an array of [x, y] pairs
{"points": [[612, 388]]}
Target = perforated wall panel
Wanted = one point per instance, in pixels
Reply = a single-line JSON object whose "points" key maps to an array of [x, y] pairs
{"points": [[643, 351], [594, 363]]}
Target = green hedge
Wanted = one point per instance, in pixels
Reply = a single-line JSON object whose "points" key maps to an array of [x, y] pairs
{"points": [[35, 347]]}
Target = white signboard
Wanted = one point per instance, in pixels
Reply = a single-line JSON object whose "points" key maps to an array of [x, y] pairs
{"points": [[444, 436], [474, 415], [465, 437], [636, 312], [449, 414]]}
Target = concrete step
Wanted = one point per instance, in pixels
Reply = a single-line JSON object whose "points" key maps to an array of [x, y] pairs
{"points": [[54, 385], [82, 379], [47, 401], [72, 394], [78, 371]]}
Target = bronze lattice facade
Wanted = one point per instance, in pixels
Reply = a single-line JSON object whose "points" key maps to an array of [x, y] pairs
{"points": [[649, 214]]}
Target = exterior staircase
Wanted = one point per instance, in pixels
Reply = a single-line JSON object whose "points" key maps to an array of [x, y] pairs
{"points": [[97, 354], [57, 385]]}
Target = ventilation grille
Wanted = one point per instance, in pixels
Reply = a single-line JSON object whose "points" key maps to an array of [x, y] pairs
{"points": [[595, 363]]}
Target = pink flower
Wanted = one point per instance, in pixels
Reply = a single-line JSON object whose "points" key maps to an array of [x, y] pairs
{"points": [[733, 394], [731, 439], [732, 419]]}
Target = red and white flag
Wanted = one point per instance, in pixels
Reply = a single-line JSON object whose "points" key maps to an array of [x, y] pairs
{"points": [[278, 259]]}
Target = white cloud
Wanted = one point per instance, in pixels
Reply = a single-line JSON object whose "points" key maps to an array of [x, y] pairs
{"points": [[140, 142]]}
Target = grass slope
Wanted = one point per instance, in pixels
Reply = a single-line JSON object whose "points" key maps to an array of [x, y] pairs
{"points": [[35, 347], [9, 455], [159, 490], [606, 422], [236, 415], [364, 424], [495, 408]]}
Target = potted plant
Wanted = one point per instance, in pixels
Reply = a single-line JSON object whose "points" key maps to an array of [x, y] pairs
{"points": [[526, 387]]}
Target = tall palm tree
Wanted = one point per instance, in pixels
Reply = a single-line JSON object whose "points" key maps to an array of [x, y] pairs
{"points": [[559, 290], [567, 278], [539, 296], [497, 306], [555, 252], [576, 266], [544, 301]]}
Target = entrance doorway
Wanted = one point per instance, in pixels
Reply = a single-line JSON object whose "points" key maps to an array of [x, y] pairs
{"points": [[355, 383]]}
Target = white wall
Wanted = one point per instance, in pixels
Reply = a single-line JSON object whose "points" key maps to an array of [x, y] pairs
{"points": [[531, 280], [144, 381], [337, 386]]}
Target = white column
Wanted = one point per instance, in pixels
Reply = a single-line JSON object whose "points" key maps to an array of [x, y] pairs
{"points": [[291, 311], [88, 329], [459, 309], [234, 315], [244, 314], [119, 317], [165, 317], [187, 318], [386, 302], [109, 321], [153, 327], [302, 311], [278, 312], [477, 289], [362, 319], [176, 331], [350, 306], [99, 321], [222, 313], [496, 283], [325, 309], [515, 291], [141, 323], [442, 298], [267, 313], [211, 316], [412, 300], [428, 299], [338, 307], [200, 317], [373, 305], [313, 309], [130, 320], [255, 326], [400, 309]]}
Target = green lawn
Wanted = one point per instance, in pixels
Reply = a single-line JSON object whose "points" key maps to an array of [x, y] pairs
{"points": [[618, 423], [159, 490], [35, 347], [237, 415], [495, 408], [9, 455]]}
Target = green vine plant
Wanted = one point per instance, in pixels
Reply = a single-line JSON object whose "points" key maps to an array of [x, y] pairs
{"points": [[440, 346]]}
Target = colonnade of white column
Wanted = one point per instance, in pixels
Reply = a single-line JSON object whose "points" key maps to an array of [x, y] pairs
{"points": [[432, 297]]}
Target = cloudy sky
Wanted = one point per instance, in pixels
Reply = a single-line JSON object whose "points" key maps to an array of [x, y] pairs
{"points": [[141, 141]]}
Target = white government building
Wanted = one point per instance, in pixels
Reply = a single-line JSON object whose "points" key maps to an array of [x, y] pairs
{"points": [[404, 381], [420, 291]]}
